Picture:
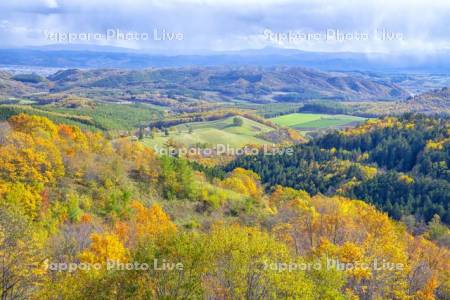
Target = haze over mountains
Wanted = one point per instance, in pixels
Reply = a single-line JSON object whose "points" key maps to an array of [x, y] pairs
{"points": [[73, 56]]}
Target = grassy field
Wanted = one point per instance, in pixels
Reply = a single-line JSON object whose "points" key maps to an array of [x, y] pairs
{"points": [[304, 121], [213, 133]]}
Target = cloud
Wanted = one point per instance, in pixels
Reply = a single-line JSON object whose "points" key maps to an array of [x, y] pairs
{"points": [[233, 24], [51, 3]]}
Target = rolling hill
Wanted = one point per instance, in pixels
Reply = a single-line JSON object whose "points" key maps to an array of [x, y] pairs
{"points": [[9, 87], [437, 99], [251, 84], [217, 132]]}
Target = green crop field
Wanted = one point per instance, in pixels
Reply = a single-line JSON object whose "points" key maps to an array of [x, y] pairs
{"points": [[315, 121], [213, 133]]}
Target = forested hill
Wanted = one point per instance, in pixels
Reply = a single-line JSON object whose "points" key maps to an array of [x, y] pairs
{"points": [[438, 98], [401, 165], [252, 84], [84, 217]]}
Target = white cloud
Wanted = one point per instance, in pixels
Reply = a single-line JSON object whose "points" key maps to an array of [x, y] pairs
{"points": [[235, 24], [51, 3]]}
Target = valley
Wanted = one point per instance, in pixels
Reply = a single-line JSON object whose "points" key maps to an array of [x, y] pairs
{"points": [[222, 150], [187, 165]]}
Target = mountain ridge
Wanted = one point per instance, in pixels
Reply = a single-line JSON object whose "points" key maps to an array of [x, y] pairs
{"points": [[253, 84], [111, 57]]}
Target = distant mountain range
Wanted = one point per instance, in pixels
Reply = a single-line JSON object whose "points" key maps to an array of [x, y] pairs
{"points": [[76, 56], [250, 84]]}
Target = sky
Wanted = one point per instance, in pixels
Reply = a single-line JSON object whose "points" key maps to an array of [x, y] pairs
{"points": [[195, 26]]}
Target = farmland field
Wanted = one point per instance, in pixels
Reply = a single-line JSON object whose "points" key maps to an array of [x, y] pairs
{"points": [[214, 132], [304, 121]]}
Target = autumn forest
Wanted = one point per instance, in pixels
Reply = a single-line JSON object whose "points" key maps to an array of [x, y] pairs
{"points": [[76, 208], [224, 150]]}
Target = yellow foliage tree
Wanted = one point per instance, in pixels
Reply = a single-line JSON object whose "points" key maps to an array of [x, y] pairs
{"points": [[146, 223], [33, 125], [281, 195], [27, 159], [104, 247], [73, 140], [143, 158], [26, 199], [351, 231], [245, 266], [244, 182]]}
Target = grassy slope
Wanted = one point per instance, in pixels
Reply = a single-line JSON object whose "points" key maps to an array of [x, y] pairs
{"points": [[215, 132], [301, 120]]}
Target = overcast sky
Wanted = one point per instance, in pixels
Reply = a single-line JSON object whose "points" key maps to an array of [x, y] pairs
{"points": [[190, 25]]}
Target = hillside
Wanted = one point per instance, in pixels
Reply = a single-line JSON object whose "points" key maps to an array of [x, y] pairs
{"points": [[401, 165], [250, 84], [15, 88], [435, 100], [82, 217], [268, 91], [276, 84], [213, 133], [85, 114]]}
